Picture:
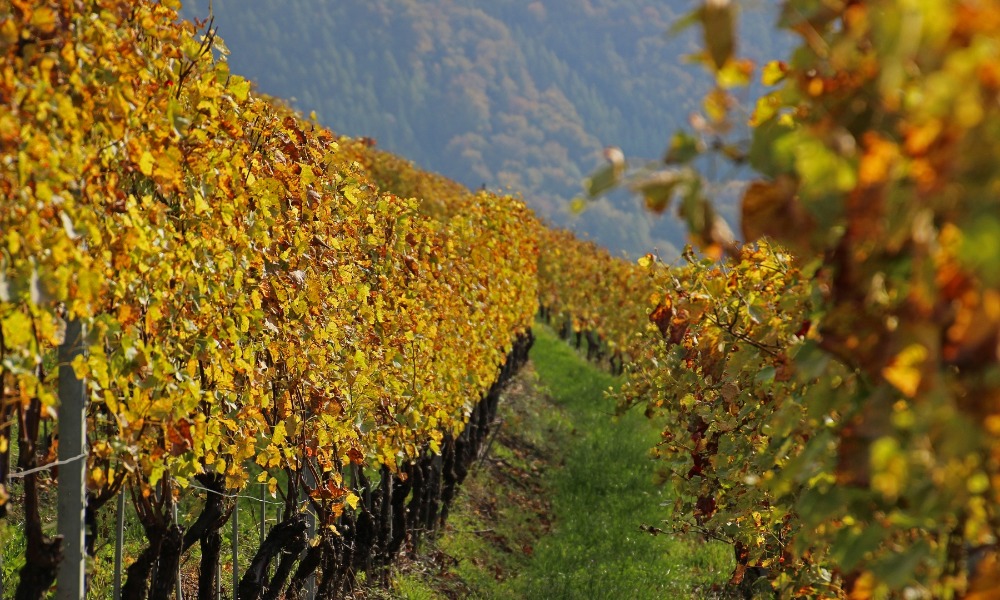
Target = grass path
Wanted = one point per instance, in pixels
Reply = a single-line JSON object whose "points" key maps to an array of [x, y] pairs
{"points": [[602, 495], [592, 473]]}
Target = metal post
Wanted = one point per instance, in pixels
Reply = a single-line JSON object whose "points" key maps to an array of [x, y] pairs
{"points": [[310, 482], [236, 547], [72, 471], [263, 519], [311, 582], [119, 545], [179, 585], [263, 512]]}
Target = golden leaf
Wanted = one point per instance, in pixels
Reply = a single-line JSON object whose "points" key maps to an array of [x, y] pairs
{"points": [[905, 371]]}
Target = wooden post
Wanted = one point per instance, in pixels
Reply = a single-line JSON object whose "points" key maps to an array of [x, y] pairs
{"points": [[70, 584]]}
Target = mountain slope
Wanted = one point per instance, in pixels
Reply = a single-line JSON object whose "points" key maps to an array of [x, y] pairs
{"points": [[507, 94]]}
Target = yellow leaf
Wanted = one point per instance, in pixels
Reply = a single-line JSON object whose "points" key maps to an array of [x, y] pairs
{"points": [[16, 330], [864, 587], [773, 72], [352, 500], [240, 88], [904, 372], [200, 205], [146, 163], [279, 433], [44, 19], [80, 367], [96, 477], [735, 73]]}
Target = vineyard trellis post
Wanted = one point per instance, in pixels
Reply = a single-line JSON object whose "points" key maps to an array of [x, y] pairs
{"points": [[218, 576], [263, 512], [310, 481], [179, 586], [73, 465], [119, 544], [235, 539]]}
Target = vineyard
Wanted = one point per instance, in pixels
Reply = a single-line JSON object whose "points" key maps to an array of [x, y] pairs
{"points": [[245, 305], [248, 295]]}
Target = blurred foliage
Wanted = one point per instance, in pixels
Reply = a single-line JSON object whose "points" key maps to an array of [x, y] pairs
{"points": [[863, 338]]}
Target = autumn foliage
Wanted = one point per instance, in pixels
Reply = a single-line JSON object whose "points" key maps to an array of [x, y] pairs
{"points": [[830, 391], [252, 292]]}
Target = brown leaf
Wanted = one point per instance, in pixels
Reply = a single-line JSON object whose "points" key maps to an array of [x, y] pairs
{"points": [[717, 21], [770, 209], [662, 315]]}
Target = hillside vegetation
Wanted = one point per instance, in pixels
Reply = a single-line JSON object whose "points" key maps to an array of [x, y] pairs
{"points": [[508, 94]]}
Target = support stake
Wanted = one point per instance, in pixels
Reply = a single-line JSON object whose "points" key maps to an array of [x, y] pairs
{"points": [[119, 545], [236, 547], [70, 584]]}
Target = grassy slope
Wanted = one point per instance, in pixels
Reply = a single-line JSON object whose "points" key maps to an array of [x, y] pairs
{"points": [[596, 490]]}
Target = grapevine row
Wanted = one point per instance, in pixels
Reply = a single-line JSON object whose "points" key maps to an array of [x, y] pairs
{"points": [[251, 295], [828, 393]]}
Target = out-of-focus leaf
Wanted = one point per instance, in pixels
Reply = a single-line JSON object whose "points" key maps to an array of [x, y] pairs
{"points": [[657, 189], [906, 369], [717, 105], [720, 38], [735, 73], [689, 20], [601, 181], [683, 148], [774, 71], [898, 568], [769, 209]]}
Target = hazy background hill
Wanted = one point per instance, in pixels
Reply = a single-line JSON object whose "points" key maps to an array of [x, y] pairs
{"points": [[510, 94]]}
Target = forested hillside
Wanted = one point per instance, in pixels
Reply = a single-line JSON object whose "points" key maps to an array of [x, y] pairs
{"points": [[508, 94]]}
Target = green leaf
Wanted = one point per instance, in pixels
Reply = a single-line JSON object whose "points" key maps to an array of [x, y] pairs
{"points": [[601, 181], [772, 151], [687, 21], [657, 189], [898, 568], [765, 376], [683, 148]]}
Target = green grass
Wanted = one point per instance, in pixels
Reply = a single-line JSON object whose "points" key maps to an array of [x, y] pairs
{"points": [[595, 479], [602, 495]]}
